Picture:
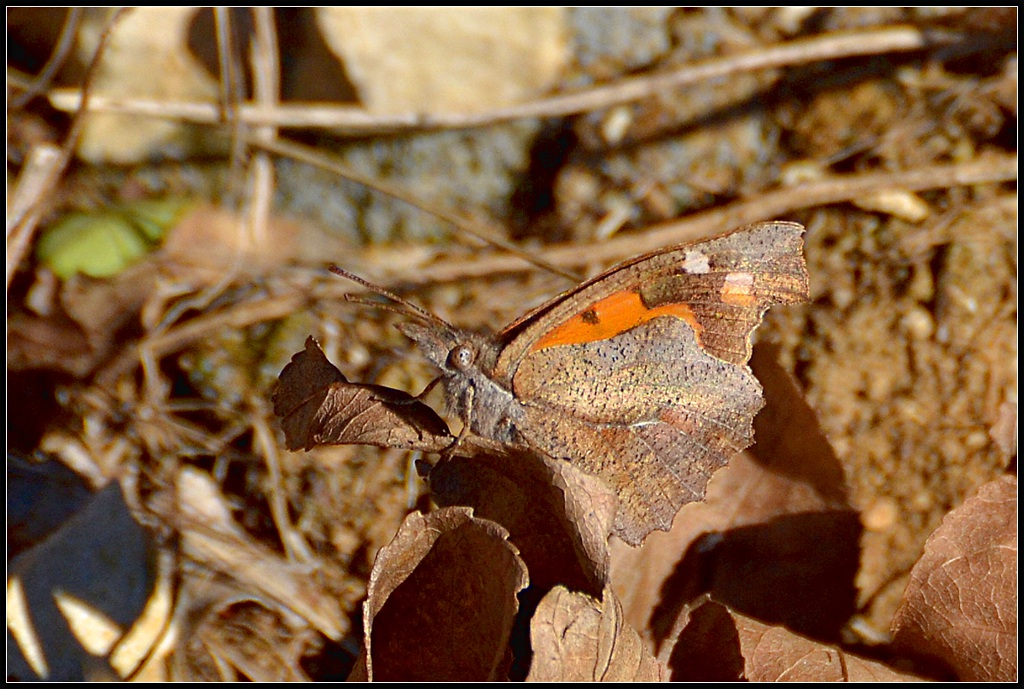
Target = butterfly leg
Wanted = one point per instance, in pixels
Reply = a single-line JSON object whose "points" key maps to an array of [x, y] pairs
{"points": [[426, 391], [454, 445], [467, 424]]}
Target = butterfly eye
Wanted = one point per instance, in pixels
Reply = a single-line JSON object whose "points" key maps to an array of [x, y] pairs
{"points": [[461, 357]]}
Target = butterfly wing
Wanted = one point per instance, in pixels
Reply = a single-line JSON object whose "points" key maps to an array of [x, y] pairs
{"points": [[722, 285], [640, 374]]}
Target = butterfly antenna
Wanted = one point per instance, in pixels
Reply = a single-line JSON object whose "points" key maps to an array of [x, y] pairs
{"points": [[416, 309]]}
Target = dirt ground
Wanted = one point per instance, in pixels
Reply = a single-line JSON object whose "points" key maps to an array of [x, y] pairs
{"points": [[901, 163]]}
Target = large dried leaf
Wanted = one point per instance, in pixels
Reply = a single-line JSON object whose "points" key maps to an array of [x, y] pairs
{"points": [[318, 406], [54, 341], [960, 607], [558, 516], [578, 639], [774, 537], [719, 644], [441, 601]]}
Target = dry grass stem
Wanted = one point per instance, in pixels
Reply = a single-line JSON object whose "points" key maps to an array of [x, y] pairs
{"points": [[355, 121]]}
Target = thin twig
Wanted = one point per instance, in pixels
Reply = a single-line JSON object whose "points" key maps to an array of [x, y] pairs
{"points": [[774, 204], [266, 91], [231, 93], [357, 121], [238, 316], [34, 183], [227, 91], [295, 545], [178, 337], [770, 205]]}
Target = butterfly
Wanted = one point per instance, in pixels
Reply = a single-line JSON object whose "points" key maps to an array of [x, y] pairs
{"points": [[638, 375]]}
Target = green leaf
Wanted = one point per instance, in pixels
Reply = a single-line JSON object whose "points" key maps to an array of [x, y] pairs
{"points": [[96, 244], [153, 217]]}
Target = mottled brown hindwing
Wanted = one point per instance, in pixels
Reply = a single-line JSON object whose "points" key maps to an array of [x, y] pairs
{"points": [[649, 410]]}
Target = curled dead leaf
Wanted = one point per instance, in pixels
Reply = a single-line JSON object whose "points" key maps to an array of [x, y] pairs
{"points": [[82, 327], [960, 606], [441, 601], [576, 638], [558, 516], [719, 644], [318, 406]]}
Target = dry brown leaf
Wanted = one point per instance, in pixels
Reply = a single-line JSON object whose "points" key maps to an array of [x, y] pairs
{"points": [[207, 239], [578, 639], [441, 601], [318, 406], [55, 342], [960, 606], [719, 644], [558, 517], [774, 537], [81, 327]]}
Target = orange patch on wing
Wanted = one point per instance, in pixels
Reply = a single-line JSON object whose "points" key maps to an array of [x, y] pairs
{"points": [[611, 316]]}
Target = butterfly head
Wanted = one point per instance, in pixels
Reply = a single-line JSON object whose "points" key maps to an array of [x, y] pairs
{"points": [[455, 352], [466, 361]]}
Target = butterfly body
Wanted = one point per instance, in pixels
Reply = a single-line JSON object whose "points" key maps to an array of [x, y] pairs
{"points": [[472, 393]]}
